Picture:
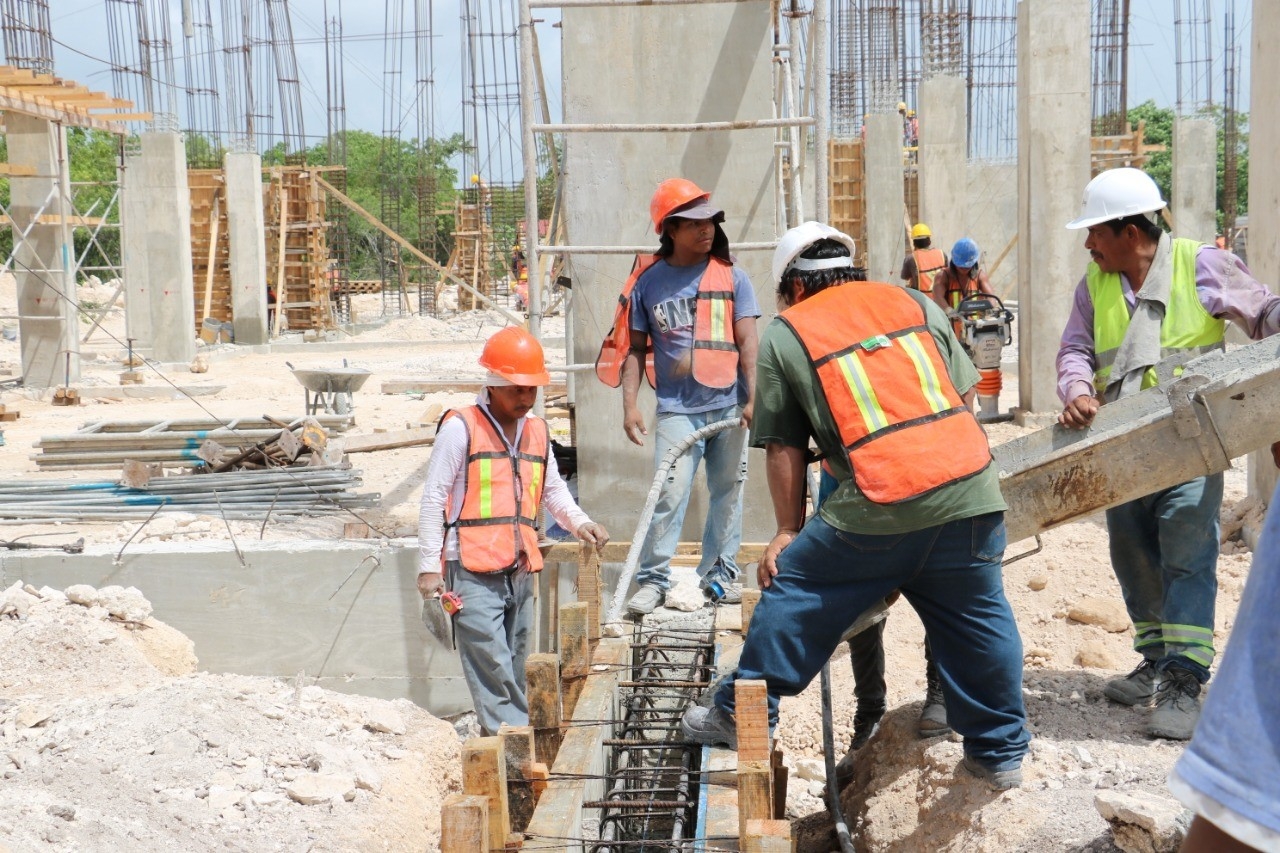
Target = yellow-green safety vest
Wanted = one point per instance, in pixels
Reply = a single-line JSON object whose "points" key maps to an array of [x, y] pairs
{"points": [[1187, 325]]}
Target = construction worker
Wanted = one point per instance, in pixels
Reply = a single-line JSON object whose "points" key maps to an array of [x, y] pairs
{"points": [[491, 470], [923, 262], [688, 315], [961, 278], [1144, 298], [872, 374], [913, 129]]}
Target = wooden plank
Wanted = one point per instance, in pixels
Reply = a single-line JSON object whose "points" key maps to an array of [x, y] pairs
{"points": [[431, 416], [575, 653], [589, 590], [281, 298], [576, 774], [751, 708], [17, 170], [390, 440], [766, 836], [780, 777], [750, 598], [213, 258], [542, 680], [484, 774], [755, 793], [450, 386], [518, 751], [464, 824]]}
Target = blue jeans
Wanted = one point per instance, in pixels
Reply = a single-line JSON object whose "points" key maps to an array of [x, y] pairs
{"points": [[1164, 551], [951, 576], [726, 473], [493, 631]]}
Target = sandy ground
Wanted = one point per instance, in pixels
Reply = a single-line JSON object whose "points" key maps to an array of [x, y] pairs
{"points": [[134, 755]]}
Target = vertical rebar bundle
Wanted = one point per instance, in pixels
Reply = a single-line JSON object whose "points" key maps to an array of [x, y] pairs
{"points": [[1110, 67], [142, 58], [280, 30], [203, 122], [1193, 55], [1230, 128], [992, 56], [27, 40], [883, 26], [940, 41]]}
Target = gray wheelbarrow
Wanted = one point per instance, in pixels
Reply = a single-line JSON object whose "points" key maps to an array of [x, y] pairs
{"points": [[330, 389]]}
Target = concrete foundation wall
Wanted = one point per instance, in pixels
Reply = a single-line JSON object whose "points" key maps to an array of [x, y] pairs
{"points": [[943, 177], [886, 204], [246, 230], [1195, 179], [658, 64], [1053, 168]]}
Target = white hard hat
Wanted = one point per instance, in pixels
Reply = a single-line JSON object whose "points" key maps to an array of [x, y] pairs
{"points": [[1117, 193], [804, 235]]}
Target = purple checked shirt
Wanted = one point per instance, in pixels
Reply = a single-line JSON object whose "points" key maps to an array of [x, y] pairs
{"points": [[1227, 290]]}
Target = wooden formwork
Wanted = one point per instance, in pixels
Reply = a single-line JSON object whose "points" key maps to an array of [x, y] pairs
{"points": [[298, 248], [210, 248], [1127, 149], [846, 191], [472, 242]]}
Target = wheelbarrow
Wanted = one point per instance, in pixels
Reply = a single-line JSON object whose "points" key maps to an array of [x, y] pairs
{"points": [[330, 389]]}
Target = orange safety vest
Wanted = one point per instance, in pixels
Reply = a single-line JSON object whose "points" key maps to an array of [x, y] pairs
{"points": [[928, 262], [499, 514], [899, 416], [715, 349], [955, 294]]}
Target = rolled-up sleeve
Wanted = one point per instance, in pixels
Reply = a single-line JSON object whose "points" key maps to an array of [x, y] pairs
{"points": [[1076, 358], [1228, 291]]}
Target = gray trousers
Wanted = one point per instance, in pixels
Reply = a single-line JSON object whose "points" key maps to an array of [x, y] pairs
{"points": [[493, 630]]}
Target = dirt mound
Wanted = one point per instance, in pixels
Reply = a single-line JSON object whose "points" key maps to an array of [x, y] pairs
{"points": [[110, 740]]}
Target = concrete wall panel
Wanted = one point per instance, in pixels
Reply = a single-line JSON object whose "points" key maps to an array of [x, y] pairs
{"points": [[1195, 178]]}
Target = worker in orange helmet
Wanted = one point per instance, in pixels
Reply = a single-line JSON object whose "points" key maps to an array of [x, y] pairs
{"points": [[490, 473], [688, 315]]}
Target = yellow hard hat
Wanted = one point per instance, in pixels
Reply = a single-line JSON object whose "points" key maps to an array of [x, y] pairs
{"points": [[475, 179], [902, 105], [920, 230], [911, 113]]}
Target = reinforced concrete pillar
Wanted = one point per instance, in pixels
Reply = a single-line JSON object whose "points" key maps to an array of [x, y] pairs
{"points": [[245, 227], [886, 205], [1053, 168], [942, 169], [1195, 178], [44, 263], [166, 223], [134, 195], [1264, 185]]}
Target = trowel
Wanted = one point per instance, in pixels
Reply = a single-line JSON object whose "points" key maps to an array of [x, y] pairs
{"points": [[437, 620]]}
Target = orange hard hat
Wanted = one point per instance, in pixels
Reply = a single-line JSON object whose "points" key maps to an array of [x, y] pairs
{"points": [[671, 194], [516, 356]]}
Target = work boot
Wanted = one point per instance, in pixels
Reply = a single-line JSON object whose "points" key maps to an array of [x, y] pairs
{"points": [[710, 726], [933, 716], [645, 600], [999, 780], [1137, 687], [865, 725], [1177, 705]]}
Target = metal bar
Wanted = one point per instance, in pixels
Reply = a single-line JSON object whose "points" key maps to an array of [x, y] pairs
{"points": [[681, 127]]}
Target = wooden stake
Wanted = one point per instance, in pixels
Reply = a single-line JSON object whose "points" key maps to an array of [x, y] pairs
{"points": [[213, 256], [755, 794], [484, 774], [281, 299], [589, 588], [464, 824], [575, 653], [767, 836], [542, 677], [750, 598], [780, 777], [751, 708], [518, 749]]}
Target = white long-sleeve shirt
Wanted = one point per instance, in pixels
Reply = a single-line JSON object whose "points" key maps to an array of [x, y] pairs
{"points": [[445, 478]]}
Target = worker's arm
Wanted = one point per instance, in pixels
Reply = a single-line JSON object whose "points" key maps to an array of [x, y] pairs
{"points": [[984, 283], [744, 332], [785, 471], [632, 367], [448, 456], [1228, 291], [1076, 361], [939, 292]]}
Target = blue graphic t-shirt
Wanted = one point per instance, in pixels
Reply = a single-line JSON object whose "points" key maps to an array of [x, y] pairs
{"points": [[663, 306]]}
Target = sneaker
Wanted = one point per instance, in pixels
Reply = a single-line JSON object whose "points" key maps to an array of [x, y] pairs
{"points": [[723, 593], [645, 600], [999, 780], [710, 726], [1137, 687], [933, 716], [1177, 705]]}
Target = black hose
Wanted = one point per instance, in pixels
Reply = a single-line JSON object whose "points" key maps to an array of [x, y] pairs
{"points": [[828, 750]]}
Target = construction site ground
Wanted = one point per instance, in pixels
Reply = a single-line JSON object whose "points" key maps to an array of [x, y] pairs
{"points": [[112, 738]]}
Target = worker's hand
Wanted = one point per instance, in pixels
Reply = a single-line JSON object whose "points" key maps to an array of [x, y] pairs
{"points": [[768, 568], [1275, 454], [1079, 413], [429, 583], [593, 534], [633, 425], [748, 412]]}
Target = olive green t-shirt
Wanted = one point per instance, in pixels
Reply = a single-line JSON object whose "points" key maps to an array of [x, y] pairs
{"points": [[790, 409]]}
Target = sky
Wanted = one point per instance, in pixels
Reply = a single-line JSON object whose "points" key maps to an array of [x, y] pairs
{"points": [[82, 54]]}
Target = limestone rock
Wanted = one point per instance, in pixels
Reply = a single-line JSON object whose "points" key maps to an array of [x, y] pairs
{"points": [[15, 602], [811, 769], [30, 716], [685, 596], [1094, 653], [314, 788], [388, 720], [1146, 824], [1107, 613], [200, 364], [124, 603], [1038, 582], [82, 594]]}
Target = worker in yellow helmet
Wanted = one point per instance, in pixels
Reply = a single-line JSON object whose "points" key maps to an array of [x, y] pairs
{"points": [[923, 262]]}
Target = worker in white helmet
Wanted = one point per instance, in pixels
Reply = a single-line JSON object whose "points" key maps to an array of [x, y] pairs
{"points": [[1148, 299], [872, 374]]}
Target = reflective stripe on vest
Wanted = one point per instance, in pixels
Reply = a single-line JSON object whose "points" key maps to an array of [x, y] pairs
{"points": [[502, 494], [954, 294], [928, 263], [1187, 326], [715, 348], [901, 421]]}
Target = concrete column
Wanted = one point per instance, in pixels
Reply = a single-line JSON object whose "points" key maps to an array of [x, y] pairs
{"points": [[245, 227], [1053, 168], [886, 204], [134, 197], [943, 177], [1195, 178], [167, 224], [1264, 185], [44, 262]]}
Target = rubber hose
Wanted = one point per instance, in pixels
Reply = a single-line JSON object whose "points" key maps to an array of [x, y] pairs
{"points": [[828, 749]]}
